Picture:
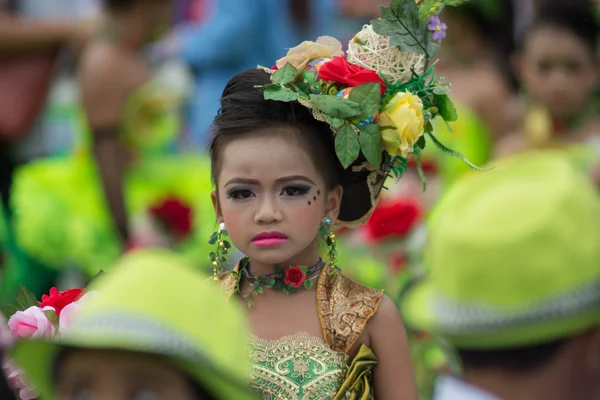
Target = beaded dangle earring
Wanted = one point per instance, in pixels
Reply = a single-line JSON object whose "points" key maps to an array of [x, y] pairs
{"points": [[218, 257], [327, 233]]}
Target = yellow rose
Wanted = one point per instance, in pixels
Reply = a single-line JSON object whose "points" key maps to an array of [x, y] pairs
{"points": [[405, 114], [301, 55]]}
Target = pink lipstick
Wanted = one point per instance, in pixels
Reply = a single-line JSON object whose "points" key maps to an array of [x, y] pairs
{"points": [[269, 239]]}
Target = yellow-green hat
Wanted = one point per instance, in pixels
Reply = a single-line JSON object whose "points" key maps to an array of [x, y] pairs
{"points": [[153, 302], [513, 256]]}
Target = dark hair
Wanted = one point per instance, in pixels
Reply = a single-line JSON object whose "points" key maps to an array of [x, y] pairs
{"points": [[244, 111], [576, 16], [494, 21], [120, 5], [518, 359]]}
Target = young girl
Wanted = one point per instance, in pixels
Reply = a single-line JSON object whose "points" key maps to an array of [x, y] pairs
{"points": [[126, 343], [297, 150], [558, 67]]}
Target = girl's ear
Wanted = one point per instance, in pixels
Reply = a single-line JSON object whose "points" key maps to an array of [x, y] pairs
{"points": [[333, 202], [215, 201]]}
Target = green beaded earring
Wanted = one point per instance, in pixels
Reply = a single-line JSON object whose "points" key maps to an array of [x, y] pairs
{"points": [[326, 232], [218, 257]]}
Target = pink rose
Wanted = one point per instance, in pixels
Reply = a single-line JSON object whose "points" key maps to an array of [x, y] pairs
{"points": [[31, 323], [66, 316]]}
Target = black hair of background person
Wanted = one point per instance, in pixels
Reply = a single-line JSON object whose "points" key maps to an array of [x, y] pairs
{"points": [[519, 359], [576, 16], [497, 29]]}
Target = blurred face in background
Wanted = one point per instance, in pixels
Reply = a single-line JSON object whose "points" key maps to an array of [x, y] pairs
{"points": [[559, 70]]}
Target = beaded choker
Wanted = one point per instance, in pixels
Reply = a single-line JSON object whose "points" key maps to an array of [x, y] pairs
{"points": [[289, 280]]}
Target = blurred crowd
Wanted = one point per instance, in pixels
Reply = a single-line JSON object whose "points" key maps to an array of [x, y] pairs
{"points": [[106, 107]]}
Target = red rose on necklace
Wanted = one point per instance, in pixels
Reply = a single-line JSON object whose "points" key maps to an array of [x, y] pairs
{"points": [[294, 276], [59, 300]]}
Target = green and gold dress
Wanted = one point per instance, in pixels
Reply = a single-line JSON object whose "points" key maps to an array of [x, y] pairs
{"points": [[304, 367]]}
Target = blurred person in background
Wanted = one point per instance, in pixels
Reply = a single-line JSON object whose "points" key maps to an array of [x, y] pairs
{"points": [[558, 67], [40, 38], [235, 35], [513, 270], [125, 343], [122, 187]]}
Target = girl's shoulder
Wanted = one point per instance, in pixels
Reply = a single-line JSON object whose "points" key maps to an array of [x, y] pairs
{"points": [[345, 307]]}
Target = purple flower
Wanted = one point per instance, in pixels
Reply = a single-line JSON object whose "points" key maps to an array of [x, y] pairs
{"points": [[438, 28]]}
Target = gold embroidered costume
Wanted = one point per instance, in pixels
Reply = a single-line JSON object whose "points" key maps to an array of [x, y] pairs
{"points": [[304, 367]]}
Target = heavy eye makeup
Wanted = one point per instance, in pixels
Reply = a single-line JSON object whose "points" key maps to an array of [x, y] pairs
{"points": [[289, 190]]}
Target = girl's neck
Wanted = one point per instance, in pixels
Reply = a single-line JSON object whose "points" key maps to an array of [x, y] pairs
{"points": [[258, 268]]}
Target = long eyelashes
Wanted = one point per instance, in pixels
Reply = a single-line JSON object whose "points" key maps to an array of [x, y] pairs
{"points": [[288, 191]]}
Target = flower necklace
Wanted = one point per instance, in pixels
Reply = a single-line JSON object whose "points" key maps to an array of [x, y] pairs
{"points": [[288, 280]]}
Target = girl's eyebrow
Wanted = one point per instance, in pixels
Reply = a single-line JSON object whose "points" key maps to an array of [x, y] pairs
{"points": [[284, 179]]}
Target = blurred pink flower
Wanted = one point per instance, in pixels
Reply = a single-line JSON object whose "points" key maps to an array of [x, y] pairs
{"points": [[16, 380], [67, 314], [31, 323]]}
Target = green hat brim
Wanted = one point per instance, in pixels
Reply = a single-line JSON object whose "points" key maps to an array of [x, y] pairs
{"points": [[38, 357], [418, 312]]}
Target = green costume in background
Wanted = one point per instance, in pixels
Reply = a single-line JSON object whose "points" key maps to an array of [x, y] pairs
{"points": [[60, 213]]}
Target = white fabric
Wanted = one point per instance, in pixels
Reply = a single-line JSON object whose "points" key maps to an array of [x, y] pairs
{"points": [[450, 388]]}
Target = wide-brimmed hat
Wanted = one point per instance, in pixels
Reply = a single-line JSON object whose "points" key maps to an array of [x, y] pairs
{"points": [[153, 302], [513, 256]]}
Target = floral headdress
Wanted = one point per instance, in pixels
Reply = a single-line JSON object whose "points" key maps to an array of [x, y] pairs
{"points": [[379, 98]]}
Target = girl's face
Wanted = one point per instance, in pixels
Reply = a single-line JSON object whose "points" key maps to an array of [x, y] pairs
{"points": [[558, 70], [273, 199], [120, 375]]}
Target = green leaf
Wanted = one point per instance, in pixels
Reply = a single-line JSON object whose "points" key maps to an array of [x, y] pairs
{"points": [[52, 317], [304, 268], [285, 75], [25, 299], [454, 153], [334, 122], [368, 96], [286, 289], [213, 238], [370, 144], [400, 21], [9, 310], [278, 285], [417, 152], [280, 93], [347, 146], [337, 107], [421, 142], [440, 89], [258, 290], [308, 284], [226, 244], [279, 269], [99, 275], [269, 282], [446, 108], [213, 256]]}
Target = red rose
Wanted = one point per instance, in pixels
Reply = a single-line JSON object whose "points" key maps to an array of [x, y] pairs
{"points": [[294, 276], [175, 215], [393, 218], [59, 300], [341, 71]]}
